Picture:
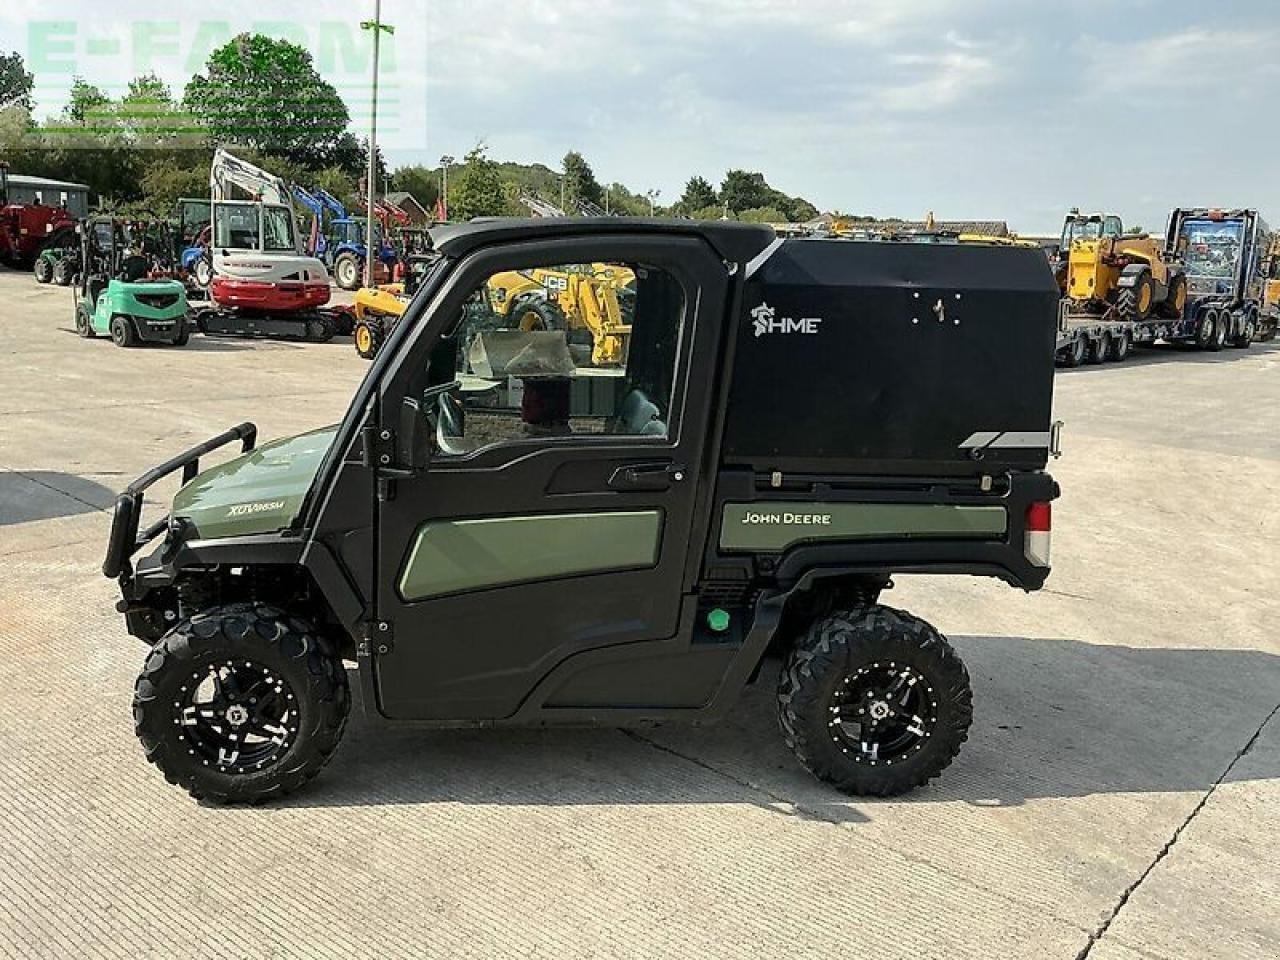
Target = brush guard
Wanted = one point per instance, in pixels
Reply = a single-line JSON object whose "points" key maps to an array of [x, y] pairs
{"points": [[125, 540]]}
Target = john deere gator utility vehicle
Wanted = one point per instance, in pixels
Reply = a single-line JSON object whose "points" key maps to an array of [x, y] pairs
{"points": [[115, 294], [796, 423]]}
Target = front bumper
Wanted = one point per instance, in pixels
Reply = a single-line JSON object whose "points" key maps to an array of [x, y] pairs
{"points": [[125, 541]]}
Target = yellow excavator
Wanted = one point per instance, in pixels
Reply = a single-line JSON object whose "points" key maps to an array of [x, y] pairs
{"points": [[585, 301], [1106, 272]]}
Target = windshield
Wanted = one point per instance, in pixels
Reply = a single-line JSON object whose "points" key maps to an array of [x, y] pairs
{"points": [[1211, 248], [277, 228], [1080, 230], [236, 226]]}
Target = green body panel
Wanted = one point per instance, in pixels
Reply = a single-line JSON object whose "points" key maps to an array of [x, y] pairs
{"points": [[120, 297], [774, 526], [258, 492], [450, 556]]}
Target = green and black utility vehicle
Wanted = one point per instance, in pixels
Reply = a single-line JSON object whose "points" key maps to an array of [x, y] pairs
{"points": [[796, 423], [116, 295]]}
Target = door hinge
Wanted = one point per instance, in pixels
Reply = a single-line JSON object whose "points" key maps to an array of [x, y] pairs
{"points": [[378, 639], [379, 447]]}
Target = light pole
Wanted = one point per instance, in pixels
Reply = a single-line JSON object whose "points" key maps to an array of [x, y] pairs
{"points": [[653, 195], [378, 28], [445, 163]]}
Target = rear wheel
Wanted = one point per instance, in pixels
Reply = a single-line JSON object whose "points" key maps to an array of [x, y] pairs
{"points": [[122, 332], [874, 701], [64, 272], [241, 704], [183, 336], [346, 271]]}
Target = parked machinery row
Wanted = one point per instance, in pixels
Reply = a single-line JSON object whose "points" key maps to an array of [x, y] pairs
{"points": [[1204, 285]]}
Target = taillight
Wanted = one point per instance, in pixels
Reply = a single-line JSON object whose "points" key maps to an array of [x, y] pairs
{"points": [[1039, 533]]}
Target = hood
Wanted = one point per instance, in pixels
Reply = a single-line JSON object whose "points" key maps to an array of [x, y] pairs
{"points": [[259, 492]]}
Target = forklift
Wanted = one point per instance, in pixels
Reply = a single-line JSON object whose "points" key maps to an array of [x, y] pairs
{"points": [[116, 295]]}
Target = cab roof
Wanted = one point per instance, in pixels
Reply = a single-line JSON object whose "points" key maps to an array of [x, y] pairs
{"points": [[735, 242]]}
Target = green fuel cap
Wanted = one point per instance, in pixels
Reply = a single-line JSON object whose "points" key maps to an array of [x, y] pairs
{"points": [[718, 620]]}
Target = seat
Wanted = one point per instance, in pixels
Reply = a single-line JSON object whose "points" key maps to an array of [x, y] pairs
{"points": [[638, 416]]}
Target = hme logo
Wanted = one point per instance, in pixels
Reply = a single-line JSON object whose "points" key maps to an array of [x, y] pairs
{"points": [[766, 320]]}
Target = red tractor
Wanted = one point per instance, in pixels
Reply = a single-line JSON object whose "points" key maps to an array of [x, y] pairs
{"points": [[27, 229]]}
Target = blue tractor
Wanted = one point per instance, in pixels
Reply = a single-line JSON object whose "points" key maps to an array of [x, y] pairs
{"points": [[338, 240]]}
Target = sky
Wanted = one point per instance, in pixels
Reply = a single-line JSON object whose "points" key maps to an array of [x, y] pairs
{"points": [[972, 109]]}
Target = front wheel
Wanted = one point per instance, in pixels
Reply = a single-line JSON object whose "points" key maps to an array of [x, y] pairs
{"points": [[367, 338], [1221, 323], [241, 704], [43, 270], [84, 323], [874, 701], [1247, 332], [122, 332], [64, 272]]}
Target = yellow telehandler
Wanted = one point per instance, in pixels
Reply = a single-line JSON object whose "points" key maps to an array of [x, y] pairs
{"points": [[1107, 272]]}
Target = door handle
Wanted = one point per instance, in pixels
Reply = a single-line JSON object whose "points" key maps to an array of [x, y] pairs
{"points": [[647, 476]]}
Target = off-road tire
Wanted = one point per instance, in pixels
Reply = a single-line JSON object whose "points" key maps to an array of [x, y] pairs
{"points": [[42, 269], [367, 338], [1129, 300], [267, 635], [122, 332], [533, 314], [84, 323], [347, 271], [64, 272], [183, 336], [836, 646], [1175, 300]]}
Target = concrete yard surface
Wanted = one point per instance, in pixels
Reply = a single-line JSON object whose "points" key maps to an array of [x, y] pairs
{"points": [[1117, 798]]}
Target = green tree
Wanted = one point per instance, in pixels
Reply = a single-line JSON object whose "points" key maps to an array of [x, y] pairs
{"points": [[713, 212], [167, 177], [580, 181], [763, 215], [85, 103], [266, 94], [698, 195], [745, 190], [477, 191], [15, 82]]}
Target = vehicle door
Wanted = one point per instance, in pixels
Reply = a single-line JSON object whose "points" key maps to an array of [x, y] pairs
{"points": [[554, 512]]}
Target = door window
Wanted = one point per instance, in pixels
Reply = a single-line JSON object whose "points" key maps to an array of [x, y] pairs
{"points": [[566, 350], [277, 229]]}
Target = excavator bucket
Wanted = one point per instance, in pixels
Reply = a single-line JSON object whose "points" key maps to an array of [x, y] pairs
{"points": [[497, 354]]}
